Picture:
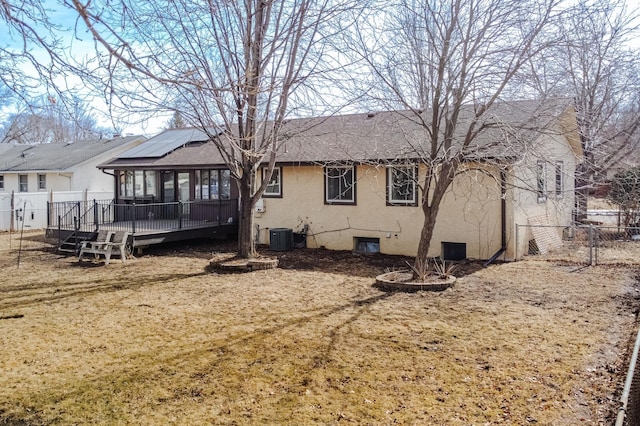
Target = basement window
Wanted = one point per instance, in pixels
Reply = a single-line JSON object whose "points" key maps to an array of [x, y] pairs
{"points": [[366, 245]]}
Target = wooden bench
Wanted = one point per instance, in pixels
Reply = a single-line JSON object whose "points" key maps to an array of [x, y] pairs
{"points": [[101, 237], [114, 244]]}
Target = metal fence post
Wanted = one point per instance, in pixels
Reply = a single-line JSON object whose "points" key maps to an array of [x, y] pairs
{"points": [[597, 245], [95, 214], [590, 244], [516, 255], [76, 228]]}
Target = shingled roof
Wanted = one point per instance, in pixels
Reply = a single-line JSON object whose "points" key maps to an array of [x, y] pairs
{"points": [[57, 156], [397, 135], [372, 137]]}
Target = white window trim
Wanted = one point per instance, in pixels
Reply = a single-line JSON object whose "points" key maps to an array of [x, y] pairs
{"points": [[26, 183], [352, 200], [44, 176], [268, 193], [559, 182], [541, 178], [390, 171]]}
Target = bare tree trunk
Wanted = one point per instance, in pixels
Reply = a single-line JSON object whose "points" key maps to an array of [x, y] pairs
{"points": [[438, 178], [246, 246], [246, 249], [426, 235]]}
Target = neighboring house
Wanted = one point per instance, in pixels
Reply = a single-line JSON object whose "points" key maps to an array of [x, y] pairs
{"points": [[349, 182], [32, 175], [61, 167]]}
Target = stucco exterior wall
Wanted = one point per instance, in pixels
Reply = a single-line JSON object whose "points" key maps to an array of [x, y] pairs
{"points": [[555, 209], [470, 213]]}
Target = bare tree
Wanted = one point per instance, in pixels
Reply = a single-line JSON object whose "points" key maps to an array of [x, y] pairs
{"points": [[45, 120], [233, 69], [32, 54], [594, 62], [446, 63]]}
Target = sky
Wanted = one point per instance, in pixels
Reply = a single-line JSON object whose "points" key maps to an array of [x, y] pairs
{"points": [[83, 46]]}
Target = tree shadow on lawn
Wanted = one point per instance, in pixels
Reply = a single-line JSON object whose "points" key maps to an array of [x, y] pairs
{"points": [[36, 293], [229, 349]]}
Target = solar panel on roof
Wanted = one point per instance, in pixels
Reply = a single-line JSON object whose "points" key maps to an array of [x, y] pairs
{"points": [[164, 143]]}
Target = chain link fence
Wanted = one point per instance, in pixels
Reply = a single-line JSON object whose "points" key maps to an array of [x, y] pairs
{"points": [[581, 244], [605, 243]]}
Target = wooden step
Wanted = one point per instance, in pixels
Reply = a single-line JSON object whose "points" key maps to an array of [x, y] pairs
{"points": [[69, 245]]}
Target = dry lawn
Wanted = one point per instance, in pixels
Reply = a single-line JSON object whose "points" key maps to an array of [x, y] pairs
{"points": [[159, 340]]}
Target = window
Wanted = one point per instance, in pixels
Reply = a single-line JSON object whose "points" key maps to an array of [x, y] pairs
{"points": [[401, 185], [340, 187], [541, 177], [225, 184], [138, 180], [274, 188], [366, 245], [150, 183], [213, 184], [23, 183], [168, 187], [1, 182], [202, 184], [559, 179], [138, 183], [126, 184], [42, 182]]}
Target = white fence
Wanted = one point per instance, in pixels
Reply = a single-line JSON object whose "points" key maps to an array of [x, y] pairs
{"points": [[29, 209]]}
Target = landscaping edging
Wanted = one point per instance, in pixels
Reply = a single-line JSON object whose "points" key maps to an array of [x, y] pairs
{"points": [[402, 281], [242, 265]]}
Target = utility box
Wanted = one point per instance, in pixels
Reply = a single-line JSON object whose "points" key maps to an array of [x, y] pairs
{"points": [[281, 239], [453, 251]]}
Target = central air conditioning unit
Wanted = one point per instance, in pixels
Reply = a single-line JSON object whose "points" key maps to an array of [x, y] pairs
{"points": [[281, 239]]}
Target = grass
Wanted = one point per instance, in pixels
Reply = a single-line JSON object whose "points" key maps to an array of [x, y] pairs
{"points": [[160, 341]]}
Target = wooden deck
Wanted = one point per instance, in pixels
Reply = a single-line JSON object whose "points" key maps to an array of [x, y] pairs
{"points": [[150, 223], [148, 234]]}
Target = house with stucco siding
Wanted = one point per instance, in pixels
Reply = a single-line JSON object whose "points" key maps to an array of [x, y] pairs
{"points": [[353, 182]]}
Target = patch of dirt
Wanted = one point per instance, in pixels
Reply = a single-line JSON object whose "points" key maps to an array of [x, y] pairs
{"points": [[159, 340]]}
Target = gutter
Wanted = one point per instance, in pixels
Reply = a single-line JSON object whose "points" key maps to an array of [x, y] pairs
{"points": [[503, 219]]}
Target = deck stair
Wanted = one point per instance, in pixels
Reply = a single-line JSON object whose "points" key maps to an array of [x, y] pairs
{"points": [[72, 243]]}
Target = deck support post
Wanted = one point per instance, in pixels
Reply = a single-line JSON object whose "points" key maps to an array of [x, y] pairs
{"points": [[133, 217], [95, 214]]}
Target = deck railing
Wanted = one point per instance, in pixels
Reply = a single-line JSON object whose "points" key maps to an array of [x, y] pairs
{"points": [[77, 215], [92, 215]]}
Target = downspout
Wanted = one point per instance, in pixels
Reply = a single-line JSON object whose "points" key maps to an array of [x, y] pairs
{"points": [[115, 183], [503, 218]]}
